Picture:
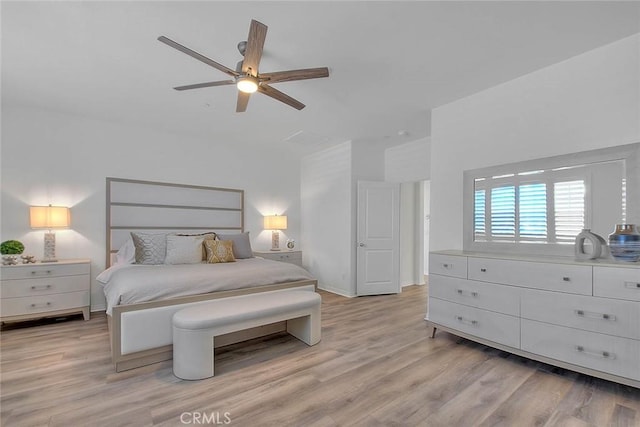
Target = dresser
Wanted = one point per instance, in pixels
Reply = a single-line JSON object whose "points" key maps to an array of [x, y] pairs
{"points": [[31, 291], [292, 257], [583, 316]]}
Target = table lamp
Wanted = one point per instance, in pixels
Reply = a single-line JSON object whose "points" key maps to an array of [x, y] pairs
{"points": [[49, 217], [275, 223]]}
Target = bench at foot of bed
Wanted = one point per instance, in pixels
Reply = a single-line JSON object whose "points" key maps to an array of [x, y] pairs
{"points": [[195, 328]]}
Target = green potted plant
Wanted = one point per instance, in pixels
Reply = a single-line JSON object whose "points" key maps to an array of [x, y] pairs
{"points": [[9, 250]]}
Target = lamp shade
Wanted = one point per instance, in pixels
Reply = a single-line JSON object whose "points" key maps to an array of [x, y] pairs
{"points": [[275, 222], [49, 216]]}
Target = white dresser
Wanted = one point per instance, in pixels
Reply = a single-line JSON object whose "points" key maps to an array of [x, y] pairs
{"points": [[583, 316], [31, 291]]}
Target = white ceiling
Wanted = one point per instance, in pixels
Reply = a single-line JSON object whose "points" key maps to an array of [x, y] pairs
{"points": [[390, 62]]}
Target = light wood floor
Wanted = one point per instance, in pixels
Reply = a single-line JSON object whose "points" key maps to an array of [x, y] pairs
{"points": [[375, 366]]}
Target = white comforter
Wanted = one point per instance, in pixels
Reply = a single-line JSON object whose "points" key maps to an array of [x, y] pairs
{"points": [[131, 283]]}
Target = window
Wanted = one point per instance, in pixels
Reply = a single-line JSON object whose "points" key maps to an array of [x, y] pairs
{"points": [[539, 206]]}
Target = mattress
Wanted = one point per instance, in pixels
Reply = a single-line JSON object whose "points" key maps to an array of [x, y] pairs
{"points": [[133, 283]]}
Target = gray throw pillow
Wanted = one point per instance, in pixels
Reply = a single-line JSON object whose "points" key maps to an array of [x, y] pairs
{"points": [[151, 249], [241, 244]]}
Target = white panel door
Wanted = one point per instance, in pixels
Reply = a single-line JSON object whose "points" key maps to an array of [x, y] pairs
{"points": [[378, 238]]}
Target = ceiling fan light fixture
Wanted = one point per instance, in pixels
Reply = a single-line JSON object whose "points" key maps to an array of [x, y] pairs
{"points": [[247, 84]]}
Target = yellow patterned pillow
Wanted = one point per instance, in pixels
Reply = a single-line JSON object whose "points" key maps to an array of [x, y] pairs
{"points": [[219, 251]]}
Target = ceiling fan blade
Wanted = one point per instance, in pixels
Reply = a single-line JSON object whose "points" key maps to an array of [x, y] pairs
{"points": [[243, 100], [197, 56], [255, 43], [208, 84], [282, 97], [287, 76]]}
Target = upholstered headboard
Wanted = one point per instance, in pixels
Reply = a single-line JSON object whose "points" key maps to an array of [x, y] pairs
{"points": [[134, 205]]}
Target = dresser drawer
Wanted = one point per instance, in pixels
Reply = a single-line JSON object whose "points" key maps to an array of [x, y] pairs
{"points": [[43, 303], [43, 286], [605, 315], [622, 283], [496, 327], [499, 298], [614, 355], [44, 270], [448, 265], [575, 279]]}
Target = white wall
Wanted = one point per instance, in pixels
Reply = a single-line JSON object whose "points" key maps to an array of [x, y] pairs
{"points": [[55, 158], [328, 201], [409, 162], [587, 102]]}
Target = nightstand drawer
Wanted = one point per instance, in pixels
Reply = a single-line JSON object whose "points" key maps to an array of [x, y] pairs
{"points": [[34, 271], [292, 257], [43, 286], [43, 303]]}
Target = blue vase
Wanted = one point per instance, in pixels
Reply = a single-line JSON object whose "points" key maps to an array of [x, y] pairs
{"points": [[624, 243]]}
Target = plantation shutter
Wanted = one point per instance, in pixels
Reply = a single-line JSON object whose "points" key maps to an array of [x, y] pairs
{"points": [[569, 211], [532, 205], [479, 215], [503, 212]]}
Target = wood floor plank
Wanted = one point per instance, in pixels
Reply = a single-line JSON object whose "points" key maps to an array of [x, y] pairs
{"points": [[375, 366], [520, 409]]}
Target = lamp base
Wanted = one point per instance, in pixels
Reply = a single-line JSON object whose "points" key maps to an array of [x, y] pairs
{"points": [[275, 240], [49, 247]]}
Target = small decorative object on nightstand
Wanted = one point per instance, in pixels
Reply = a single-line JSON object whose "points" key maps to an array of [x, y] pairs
{"points": [[291, 244], [10, 249], [292, 257], [33, 291]]}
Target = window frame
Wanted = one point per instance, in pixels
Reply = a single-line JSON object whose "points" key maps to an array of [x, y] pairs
{"points": [[547, 177], [628, 154]]}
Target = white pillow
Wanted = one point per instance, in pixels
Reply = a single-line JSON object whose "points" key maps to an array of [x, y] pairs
{"points": [[184, 249], [127, 253]]}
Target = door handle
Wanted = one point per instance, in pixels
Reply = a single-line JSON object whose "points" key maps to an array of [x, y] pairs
{"points": [[362, 245]]}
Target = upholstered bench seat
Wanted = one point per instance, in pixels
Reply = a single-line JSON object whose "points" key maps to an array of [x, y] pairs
{"points": [[195, 328]]}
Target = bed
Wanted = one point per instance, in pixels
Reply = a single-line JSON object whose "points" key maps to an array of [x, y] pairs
{"points": [[141, 299]]}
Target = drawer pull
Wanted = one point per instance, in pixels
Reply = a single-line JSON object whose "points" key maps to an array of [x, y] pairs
{"points": [[632, 285], [598, 353], [566, 279], [40, 288], [34, 272], [593, 315], [449, 266], [484, 270], [48, 304], [467, 321], [472, 293]]}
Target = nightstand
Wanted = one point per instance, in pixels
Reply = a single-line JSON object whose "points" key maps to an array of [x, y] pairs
{"points": [[32, 291], [292, 257]]}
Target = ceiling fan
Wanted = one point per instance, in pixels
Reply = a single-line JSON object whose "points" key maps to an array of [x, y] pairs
{"points": [[246, 76]]}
